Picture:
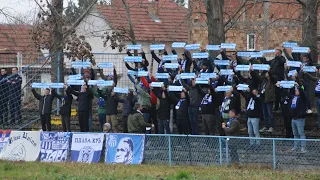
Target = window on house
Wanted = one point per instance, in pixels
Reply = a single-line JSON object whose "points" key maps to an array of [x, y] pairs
{"points": [[251, 42]]}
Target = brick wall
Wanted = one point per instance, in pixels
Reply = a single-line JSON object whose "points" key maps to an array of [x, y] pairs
{"points": [[272, 23]]}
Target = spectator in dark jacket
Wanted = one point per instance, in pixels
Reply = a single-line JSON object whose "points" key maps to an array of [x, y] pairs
{"points": [[127, 108], [4, 96], [45, 107], [84, 98], [15, 82], [65, 109], [136, 122], [298, 113]]}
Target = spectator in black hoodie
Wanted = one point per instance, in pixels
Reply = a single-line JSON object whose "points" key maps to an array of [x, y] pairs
{"points": [[65, 109], [84, 98], [127, 108], [4, 96], [45, 107], [15, 82]]}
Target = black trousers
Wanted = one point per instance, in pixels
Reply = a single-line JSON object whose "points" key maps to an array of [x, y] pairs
{"points": [[83, 118], [153, 118], [183, 126], [125, 124], [66, 123], [287, 122], [15, 109], [45, 122], [278, 98]]}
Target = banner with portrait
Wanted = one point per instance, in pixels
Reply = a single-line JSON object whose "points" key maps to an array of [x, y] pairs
{"points": [[124, 148], [4, 137], [86, 147], [54, 146], [22, 146]]}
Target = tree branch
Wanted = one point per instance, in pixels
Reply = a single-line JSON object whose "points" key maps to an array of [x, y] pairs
{"points": [[235, 14], [302, 3]]}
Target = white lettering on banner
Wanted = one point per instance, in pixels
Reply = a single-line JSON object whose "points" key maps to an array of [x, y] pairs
{"points": [[156, 84], [242, 67], [287, 84], [242, 87], [293, 63], [290, 44], [213, 47], [133, 59], [225, 72], [270, 51], [75, 82], [309, 68], [173, 57], [202, 81], [208, 75], [222, 62], [200, 55], [80, 64], [157, 46], [175, 88], [192, 46], [223, 88], [162, 75], [262, 67], [292, 73], [121, 90], [49, 155], [105, 65], [54, 146], [300, 49], [134, 46], [87, 140], [178, 45], [171, 65], [188, 75], [228, 45]]}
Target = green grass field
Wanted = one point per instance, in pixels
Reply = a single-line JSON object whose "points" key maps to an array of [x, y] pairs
{"points": [[37, 170]]}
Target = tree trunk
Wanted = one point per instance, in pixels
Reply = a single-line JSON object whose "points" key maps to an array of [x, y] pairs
{"points": [[215, 23], [56, 48], [131, 30], [309, 27]]}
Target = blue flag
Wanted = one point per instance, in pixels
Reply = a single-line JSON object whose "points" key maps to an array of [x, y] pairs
{"points": [[54, 146]]}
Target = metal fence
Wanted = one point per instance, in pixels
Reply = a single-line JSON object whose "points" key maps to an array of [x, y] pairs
{"points": [[220, 150]]}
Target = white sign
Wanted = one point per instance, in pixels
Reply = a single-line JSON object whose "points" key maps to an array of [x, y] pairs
{"points": [[192, 46], [104, 83], [309, 68], [293, 64], [143, 73], [75, 82], [290, 44], [178, 45], [222, 62], [228, 45], [173, 57], [105, 65], [262, 67], [134, 46], [208, 75], [171, 65], [56, 85], [157, 46], [188, 75], [121, 90], [292, 73], [80, 64], [213, 47], [223, 88], [287, 84], [22, 146], [270, 51], [202, 81], [133, 59], [243, 68], [131, 72], [75, 77], [175, 88], [226, 72], [200, 55], [242, 87], [162, 75], [156, 84], [300, 49]]}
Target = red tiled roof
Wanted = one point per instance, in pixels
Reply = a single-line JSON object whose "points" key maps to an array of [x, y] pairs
{"points": [[173, 25], [14, 39]]}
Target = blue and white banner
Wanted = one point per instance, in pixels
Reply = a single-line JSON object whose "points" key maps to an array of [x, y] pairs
{"points": [[213, 47], [300, 49], [41, 85], [202, 81], [75, 82], [269, 51], [226, 72], [102, 83], [245, 68], [121, 90], [208, 75], [74, 77], [175, 88], [157, 46], [228, 45], [293, 63], [133, 73], [178, 45], [242, 87], [134, 46], [256, 54], [133, 59], [200, 55], [309, 68], [124, 148], [162, 75], [287, 84], [54, 146], [222, 62], [178, 77], [292, 73], [93, 82], [192, 46], [105, 65], [188, 75], [56, 85], [262, 67], [223, 88], [22, 146], [80, 64], [86, 147], [250, 54], [244, 54], [156, 84], [143, 73], [173, 57], [171, 65], [4, 137], [290, 44]]}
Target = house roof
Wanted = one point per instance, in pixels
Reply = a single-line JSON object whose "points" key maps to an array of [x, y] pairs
{"points": [[14, 39], [173, 25]]}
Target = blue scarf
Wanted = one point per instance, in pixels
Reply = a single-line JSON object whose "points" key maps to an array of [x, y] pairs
{"points": [[101, 102], [179, 103], [230, 121], [294, 102]]}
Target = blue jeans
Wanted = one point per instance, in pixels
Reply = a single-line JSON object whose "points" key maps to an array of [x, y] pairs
{"points": [[102, 120], [298, 131], [164, 127], [253, 130], [268, 115], [193, 118], [318, 110]]}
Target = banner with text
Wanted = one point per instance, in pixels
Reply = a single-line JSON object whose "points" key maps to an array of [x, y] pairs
{"points": [[54, 146]]}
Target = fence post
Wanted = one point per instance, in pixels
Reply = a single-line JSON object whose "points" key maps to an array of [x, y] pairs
{"points": [[169, 144], [274, 154], [220, 150], [58, 78], [227, 152]]}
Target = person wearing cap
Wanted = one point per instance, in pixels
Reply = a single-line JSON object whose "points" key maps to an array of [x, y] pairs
{"points": [[136, 122], [45, 107]]}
